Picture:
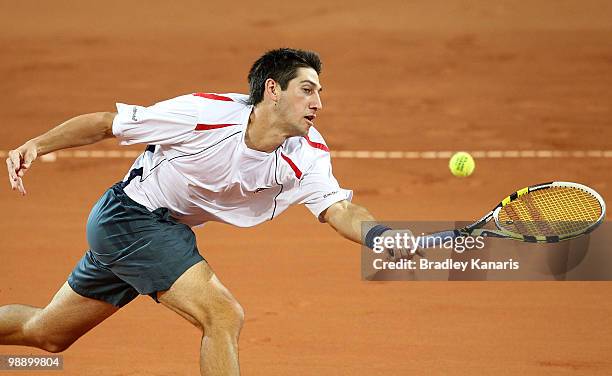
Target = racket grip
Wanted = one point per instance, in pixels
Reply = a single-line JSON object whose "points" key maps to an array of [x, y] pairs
{"points": [[437, 238]]}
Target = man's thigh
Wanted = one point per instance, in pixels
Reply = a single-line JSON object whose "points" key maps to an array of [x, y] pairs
{"points": [[70, 315]]}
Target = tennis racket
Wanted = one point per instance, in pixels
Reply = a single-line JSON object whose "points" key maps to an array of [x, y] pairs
{"points": [[543, 213]]}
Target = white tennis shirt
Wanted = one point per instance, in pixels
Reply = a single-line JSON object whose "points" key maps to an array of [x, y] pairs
{"points": [[198, 166]]}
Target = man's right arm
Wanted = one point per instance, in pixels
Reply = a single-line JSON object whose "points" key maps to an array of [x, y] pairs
{"points": [[81, 130]]}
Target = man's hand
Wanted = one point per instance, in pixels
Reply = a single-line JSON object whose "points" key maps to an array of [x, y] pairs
{"points": [[398, 251], [404, 246], [18, 163]]}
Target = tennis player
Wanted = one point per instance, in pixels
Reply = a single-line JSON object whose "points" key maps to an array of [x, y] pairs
{"points": [[228, 158]]}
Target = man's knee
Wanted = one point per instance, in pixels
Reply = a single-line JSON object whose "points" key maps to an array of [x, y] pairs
{"points": [[42, 338], [54, 346], [201, 298], [225, 315]]}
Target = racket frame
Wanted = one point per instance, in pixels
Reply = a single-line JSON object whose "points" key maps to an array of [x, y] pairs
{"points": [[475, 229]]}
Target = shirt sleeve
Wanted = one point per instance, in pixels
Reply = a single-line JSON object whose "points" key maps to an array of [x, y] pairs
{"points": [[165, 123], [319, 189]]}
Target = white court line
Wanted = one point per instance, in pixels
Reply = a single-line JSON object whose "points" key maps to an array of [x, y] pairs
{"points": [[402, 155], [363, 154], [380, 155], [445, 154], [429, 155]]}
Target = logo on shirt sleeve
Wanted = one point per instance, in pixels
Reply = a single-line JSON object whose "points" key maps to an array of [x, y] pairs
{"points": [[134, 118], [329, 194]]}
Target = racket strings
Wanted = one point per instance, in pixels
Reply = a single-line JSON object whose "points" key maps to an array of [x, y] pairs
{"points": [[551, 212], [542, 225], [520, 224]]}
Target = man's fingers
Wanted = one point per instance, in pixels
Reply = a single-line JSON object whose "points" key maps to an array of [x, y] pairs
{"points": [[10, 165], [20, 186], [11, 172], [12, 182], [28, 158], [399, 253], [17, 168], [15, 158], [402, 248], [404, 253]]}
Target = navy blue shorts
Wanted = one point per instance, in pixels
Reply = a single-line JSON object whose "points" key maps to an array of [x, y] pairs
{"points": [[132, 251]]}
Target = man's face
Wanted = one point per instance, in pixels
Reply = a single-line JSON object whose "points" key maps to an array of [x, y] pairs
{"points": [[299, 103]]}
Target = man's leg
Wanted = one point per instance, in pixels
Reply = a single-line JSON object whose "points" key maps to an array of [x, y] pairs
{"points": [[55, 327], [199, 297]]}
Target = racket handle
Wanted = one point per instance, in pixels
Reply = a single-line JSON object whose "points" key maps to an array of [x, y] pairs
{"points": [[437, 238]]}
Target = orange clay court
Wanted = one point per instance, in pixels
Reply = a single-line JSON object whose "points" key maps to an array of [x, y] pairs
{"points": [[398, 76]]}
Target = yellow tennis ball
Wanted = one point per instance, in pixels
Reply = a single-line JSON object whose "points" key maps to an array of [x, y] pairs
{"points": [[462, 164]]}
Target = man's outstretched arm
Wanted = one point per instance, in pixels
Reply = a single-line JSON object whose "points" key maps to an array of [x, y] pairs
{"points": [[346, 218], [81, 130]]}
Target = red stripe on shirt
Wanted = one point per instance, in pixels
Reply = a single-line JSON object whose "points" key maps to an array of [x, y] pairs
{"points": [[206, 127], [317, 145], [295, 168], [214, 97]]}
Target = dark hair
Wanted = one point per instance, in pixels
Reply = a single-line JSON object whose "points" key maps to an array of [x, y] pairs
{"points": [[281, 65]]}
